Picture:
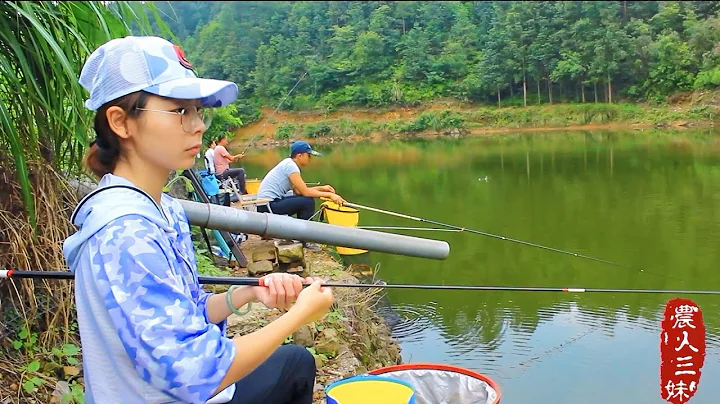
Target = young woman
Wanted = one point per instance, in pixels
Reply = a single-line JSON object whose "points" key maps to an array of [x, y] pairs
{"points": [[222, 164], [285, 177], [149, 333]]}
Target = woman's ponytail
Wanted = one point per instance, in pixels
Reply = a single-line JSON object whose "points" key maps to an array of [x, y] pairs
{"points": [[105, 150]]}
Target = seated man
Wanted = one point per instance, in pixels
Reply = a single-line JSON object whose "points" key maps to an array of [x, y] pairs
{"points": [[285, 176], [222, 164]]}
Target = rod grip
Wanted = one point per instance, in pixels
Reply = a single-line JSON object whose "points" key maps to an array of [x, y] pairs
{"points": [[261, 282]]}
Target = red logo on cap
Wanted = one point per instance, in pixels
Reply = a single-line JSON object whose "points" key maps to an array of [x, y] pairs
{"points": [[181, 57]]}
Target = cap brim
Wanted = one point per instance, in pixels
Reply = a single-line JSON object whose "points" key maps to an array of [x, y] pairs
{"points": [[314, 153], [211, 93]]}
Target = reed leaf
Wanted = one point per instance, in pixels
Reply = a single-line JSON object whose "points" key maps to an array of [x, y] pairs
{"points": [[13, 139], [43, 46]]}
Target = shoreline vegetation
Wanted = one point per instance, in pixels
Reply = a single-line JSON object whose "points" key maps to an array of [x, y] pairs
{"points": [[452, 119], [326, 56]]}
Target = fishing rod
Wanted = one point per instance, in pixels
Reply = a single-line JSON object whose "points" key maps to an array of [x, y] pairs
{"points": [[274, 112], [248, 281], [458, 228], [404, 228]]}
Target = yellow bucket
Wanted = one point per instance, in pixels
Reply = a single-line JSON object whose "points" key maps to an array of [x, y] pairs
{"points": [[370, 389], [342, 216], [252, 186]]}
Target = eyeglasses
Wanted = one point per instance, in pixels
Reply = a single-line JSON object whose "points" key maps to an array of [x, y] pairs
{"points": [[189, 116]]}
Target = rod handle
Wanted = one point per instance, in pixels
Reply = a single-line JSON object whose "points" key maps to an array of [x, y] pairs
{"points": [[261, 282]]}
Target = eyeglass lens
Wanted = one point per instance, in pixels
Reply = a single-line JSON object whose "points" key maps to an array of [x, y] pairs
{"points": [[191, 116]]}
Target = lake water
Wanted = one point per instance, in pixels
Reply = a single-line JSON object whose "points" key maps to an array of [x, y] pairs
{"points": [[647, 199]]}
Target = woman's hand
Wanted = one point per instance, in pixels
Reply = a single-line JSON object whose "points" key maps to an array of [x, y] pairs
{"points": [[314, 302], [327, 188], [280, 291]]}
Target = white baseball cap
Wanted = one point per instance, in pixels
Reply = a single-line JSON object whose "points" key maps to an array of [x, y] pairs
{"points": [[125, 65]]}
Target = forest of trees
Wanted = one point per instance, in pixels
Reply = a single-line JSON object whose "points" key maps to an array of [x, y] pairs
{"points": [[379, 53]]}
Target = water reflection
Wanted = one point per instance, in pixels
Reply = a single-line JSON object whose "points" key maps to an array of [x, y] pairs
{"points": [[645, 199], [484, 329], [569, 343]]}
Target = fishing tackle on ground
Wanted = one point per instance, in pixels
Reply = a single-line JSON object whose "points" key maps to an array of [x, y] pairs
{"points": [[418, 383]]}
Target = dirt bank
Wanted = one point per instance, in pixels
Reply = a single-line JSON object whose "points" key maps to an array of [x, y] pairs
{"points": [[269, 142], [453, 119]]}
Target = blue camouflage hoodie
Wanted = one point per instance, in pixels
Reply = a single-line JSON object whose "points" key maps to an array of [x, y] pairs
{"points": [[145, 334]]}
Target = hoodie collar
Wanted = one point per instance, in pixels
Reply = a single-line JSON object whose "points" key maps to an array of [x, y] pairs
{"points": [[114, 197]]}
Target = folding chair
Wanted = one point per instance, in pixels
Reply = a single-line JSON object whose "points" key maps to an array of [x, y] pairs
{"points": [[227, 242]]}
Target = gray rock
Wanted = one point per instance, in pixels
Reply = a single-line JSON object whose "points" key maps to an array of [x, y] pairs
{"points": [[299, 270], [260, 267], [268, 255], [328, 343], [304, 336], [289, 252]]}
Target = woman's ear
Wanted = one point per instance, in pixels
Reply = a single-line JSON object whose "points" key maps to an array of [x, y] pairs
{"points": [[117, 120]]}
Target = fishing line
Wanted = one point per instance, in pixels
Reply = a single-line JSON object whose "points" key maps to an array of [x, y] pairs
{"points": [[274, 112], [418, 219], [405, 228], [249, 281], [514, 370]]}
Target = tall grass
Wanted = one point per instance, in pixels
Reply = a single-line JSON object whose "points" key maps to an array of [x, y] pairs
{"points": [[44, 131], [42, 48]]}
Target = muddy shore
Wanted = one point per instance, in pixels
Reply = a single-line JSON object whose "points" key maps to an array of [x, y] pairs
{"points": [[684, 111]]}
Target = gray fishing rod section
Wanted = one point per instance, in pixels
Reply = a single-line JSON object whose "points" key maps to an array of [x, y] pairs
{"points": [[279, 226], [236, 220]]}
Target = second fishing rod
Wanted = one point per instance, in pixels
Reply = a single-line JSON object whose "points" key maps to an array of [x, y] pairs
{"points": [[461, 229]]}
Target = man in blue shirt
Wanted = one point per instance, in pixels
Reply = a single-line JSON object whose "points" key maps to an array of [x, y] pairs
{"points": [[285, 177]]}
